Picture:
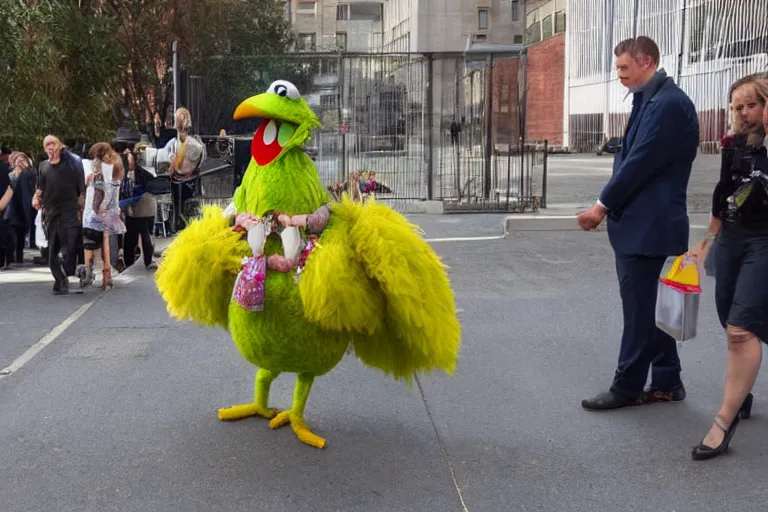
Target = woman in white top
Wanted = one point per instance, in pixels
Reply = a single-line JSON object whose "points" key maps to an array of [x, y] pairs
{"points": [[102, 216]]}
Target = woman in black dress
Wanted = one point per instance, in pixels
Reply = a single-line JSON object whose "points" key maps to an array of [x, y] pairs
{"points": [[739, 224], [6, 230]]}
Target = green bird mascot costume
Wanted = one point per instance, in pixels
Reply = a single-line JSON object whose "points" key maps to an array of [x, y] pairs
{"points": [[296, 278]]}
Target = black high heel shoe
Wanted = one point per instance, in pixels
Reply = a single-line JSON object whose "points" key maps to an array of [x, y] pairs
{"points": [[704, 452], [745, 412]]}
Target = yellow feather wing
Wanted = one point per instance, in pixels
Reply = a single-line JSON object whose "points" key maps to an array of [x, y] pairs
{"points": [[336, 292], [387, 287], [197, 271]]}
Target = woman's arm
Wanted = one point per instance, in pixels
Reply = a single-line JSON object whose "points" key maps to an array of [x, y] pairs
{"points": [[6, 198]]}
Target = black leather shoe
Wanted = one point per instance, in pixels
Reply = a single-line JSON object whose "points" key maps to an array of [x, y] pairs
{"points": [[656, 395], [704, 452], [608, 401]]}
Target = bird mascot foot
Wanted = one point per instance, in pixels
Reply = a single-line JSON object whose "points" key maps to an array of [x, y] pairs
{"points": [[239, 412], [295, 416], [299, 428], [259, 407]]}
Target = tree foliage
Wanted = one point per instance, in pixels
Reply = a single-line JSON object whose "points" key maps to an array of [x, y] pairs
{"points": [[68, 65], [59, 72], [244, 54]]}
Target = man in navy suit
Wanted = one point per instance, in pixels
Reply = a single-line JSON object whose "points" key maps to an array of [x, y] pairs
{"points": [[645, 202]]}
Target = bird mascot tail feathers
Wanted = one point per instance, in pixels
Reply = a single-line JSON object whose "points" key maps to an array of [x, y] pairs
{"points": [[412, 326], [198, 270]]}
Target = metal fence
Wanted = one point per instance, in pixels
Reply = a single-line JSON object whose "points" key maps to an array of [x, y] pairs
{"points": [[705, 45], [425, 127]]}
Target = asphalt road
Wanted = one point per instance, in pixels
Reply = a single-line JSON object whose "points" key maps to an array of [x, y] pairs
{"points": [[575, 181], [119, 411]]}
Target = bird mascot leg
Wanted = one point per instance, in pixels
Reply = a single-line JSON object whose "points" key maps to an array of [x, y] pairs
{"points": [[260, 406], [295, 416]]}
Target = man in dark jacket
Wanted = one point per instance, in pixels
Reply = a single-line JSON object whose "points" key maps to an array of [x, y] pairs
{"points": [[61, 194], [646, 205]]}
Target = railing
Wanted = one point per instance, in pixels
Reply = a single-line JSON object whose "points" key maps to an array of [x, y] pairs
{"points": [[390, 115]]}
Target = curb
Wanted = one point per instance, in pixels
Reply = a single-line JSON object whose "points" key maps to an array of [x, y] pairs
{"points": [[513, 223]]}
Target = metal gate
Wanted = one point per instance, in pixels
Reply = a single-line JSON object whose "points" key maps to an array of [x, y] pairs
{"points": [[413, 127]]}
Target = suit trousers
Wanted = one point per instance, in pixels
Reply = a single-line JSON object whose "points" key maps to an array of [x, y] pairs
{"points": [[643, 345]]}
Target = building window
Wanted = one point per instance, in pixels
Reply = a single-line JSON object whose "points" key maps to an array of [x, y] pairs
{"points": [[518, 39], [546, 27], [559, 22], [341, 40], [533, 32], [306, 8], [478, 38], [342, 12], [515, 10], [482, 19], [306, 42]]}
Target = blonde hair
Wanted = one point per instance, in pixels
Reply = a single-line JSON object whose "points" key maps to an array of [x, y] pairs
{"points": [[183, 122], [760, 88], [19, 155]]}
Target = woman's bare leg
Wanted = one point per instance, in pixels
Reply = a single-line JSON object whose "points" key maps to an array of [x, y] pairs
{"points": [[106, 271], [745, 354]]}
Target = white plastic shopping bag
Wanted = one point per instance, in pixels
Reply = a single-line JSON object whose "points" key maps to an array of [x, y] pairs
{"points": [[677, 300], [40, 239]]}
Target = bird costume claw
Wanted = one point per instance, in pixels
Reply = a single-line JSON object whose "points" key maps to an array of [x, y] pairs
{"points": [[299, 428], [259, 407], [242, 411]]}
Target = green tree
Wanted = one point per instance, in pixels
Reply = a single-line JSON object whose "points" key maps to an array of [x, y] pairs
{"points": [[240, 48], [60, 72]]}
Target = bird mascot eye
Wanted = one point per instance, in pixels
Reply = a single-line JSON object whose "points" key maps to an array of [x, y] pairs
{"points": [[284, 88]]}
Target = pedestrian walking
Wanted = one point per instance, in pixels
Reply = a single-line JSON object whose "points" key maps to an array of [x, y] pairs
{"points": [[645, 202]]}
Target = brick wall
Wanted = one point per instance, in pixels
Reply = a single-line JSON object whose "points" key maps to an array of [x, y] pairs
{"points": [[546, 83]]}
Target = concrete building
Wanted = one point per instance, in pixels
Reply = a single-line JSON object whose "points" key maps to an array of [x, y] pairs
{"points": [[332, 25], [705, 46], [450, 25]]}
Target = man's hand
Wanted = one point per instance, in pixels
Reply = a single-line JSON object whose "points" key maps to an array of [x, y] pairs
{"points": [[287, 221], [591, 218], [246, 222]]}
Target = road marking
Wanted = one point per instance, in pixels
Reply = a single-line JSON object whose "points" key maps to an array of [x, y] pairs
{"points": [[46, 340], [596, 172], [465, 239], [26, 275]]}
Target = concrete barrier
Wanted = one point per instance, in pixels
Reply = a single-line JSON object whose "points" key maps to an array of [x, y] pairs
{"points": [[542, 222]]}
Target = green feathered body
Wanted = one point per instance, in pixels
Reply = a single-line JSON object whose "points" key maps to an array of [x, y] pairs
{"points": [[372, 280], [289, 185], [279, 338]]}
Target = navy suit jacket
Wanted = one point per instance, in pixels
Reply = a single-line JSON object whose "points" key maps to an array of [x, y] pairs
{"points": [[647, 196]]}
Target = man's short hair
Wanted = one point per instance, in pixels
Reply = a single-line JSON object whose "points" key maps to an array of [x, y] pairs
{"points": [[638, 45], [54, 138]]}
